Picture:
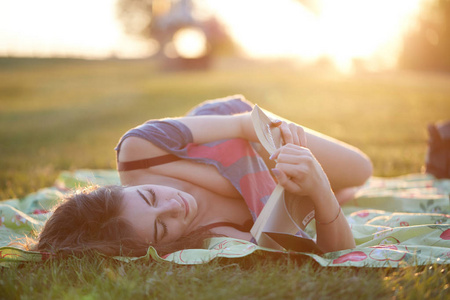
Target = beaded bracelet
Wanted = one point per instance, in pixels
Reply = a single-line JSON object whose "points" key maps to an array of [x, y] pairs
{"points": [[326, 223]]}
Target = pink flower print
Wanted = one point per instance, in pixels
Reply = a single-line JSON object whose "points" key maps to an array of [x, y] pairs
{"points": [[363, 214], [404, 223], [8, 254], [387, 253], [445, 235], [220, 246], [352, 256], [39, 211]]}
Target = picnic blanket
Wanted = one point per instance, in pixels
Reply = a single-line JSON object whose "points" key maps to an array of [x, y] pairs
{"points": [[396, 222]]}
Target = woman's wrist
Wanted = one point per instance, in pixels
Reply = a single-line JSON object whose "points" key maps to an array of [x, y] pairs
{"points": [[247, 129], [322, 193], [326, 206]]}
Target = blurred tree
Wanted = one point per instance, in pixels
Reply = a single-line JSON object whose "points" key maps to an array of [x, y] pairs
{"points": [[135, 16], [160, 20], [427, 45]]}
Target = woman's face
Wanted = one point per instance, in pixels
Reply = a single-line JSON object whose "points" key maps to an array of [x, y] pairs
{"points": [[160, 214]]}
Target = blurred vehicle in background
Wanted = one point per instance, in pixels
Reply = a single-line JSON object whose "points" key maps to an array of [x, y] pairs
{"points": [[188, 36]]}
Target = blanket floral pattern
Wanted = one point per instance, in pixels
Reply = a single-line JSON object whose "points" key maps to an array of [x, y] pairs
{"points": [[396, 222]]}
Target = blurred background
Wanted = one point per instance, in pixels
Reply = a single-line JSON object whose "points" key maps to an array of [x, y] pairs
{"points": [[347, 34]]}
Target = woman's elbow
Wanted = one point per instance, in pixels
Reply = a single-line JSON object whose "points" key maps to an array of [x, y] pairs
{"points": [[365, 169]]}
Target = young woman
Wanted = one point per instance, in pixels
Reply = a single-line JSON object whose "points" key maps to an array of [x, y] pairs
{"points": [[203, 175]]}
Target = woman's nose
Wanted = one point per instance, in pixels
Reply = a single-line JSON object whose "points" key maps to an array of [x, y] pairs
{"points": [[169, 207]]}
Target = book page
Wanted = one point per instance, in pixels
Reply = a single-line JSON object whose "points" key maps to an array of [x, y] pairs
{"points": [[283, 213]]}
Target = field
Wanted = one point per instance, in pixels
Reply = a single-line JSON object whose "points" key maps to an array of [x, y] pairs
{"points": [[66, 114]]}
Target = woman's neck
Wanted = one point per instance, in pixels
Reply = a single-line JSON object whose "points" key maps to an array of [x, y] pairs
{"points": [[214, 208]]}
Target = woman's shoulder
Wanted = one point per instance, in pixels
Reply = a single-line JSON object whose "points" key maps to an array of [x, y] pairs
{"points": [[135, 148]]}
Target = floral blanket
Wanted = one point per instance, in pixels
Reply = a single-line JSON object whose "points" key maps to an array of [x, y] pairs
{"points": [[396, 222]]}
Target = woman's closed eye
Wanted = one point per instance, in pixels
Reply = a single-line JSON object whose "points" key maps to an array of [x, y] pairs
{"points": [[149, 200], [164, 231], [152, 201]]}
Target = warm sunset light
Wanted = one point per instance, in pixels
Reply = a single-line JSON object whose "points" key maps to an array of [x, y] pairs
{"points": [[75, 28], [190, 43], [339, 29], [342, 30]]}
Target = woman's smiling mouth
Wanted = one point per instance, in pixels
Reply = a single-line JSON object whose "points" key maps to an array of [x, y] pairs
{"points": [[186, 205]]}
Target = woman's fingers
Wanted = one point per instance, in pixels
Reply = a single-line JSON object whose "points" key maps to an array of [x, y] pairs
{"points": [[276, 123], [294, 131], [291, 133], [302, 136], [286, 133], [286, 181], [296, 169], [289, 151]]}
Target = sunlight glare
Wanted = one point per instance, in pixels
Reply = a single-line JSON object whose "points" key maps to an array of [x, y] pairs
{"points": [[363, 29], [190, 42], [343, 30], [81, 28]]}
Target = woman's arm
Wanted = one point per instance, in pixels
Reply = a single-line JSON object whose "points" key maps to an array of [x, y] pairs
{"points": [[144, 142], [212, 128], [298, 170], [300, 173], [345, 166]]}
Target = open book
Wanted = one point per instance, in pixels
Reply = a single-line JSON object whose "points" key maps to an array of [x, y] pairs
{"points": [[284, 214]]}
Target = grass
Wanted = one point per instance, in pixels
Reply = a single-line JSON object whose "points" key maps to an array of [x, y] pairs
{"points": [[68, 114], [101, 278]]}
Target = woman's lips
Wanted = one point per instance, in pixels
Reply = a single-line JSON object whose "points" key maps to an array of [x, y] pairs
{"points": [[186, 205]]}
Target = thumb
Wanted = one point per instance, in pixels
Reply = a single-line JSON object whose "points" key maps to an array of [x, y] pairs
{"points": [[286, 181]]}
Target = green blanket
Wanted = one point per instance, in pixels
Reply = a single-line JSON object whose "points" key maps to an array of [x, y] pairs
{"points": [[396, 222]]}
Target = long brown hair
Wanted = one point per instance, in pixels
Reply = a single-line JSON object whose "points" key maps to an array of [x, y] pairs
{"points": [[90, 220]]}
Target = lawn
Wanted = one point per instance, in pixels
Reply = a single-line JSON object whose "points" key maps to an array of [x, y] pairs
{"points": [[64, 114]]}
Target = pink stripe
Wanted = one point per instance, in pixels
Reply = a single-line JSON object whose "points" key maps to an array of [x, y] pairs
{"points": [[227, 153], [254, 187]]}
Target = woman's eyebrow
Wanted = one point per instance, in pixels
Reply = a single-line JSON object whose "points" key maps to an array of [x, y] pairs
{"points": [[143, 197]]}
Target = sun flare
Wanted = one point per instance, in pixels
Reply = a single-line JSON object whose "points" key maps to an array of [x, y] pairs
{"points": [[341, 30], [190, 42]]}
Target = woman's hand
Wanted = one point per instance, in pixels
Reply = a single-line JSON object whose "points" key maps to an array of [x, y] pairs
{"points": [[299, 172], [291, 133]]}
